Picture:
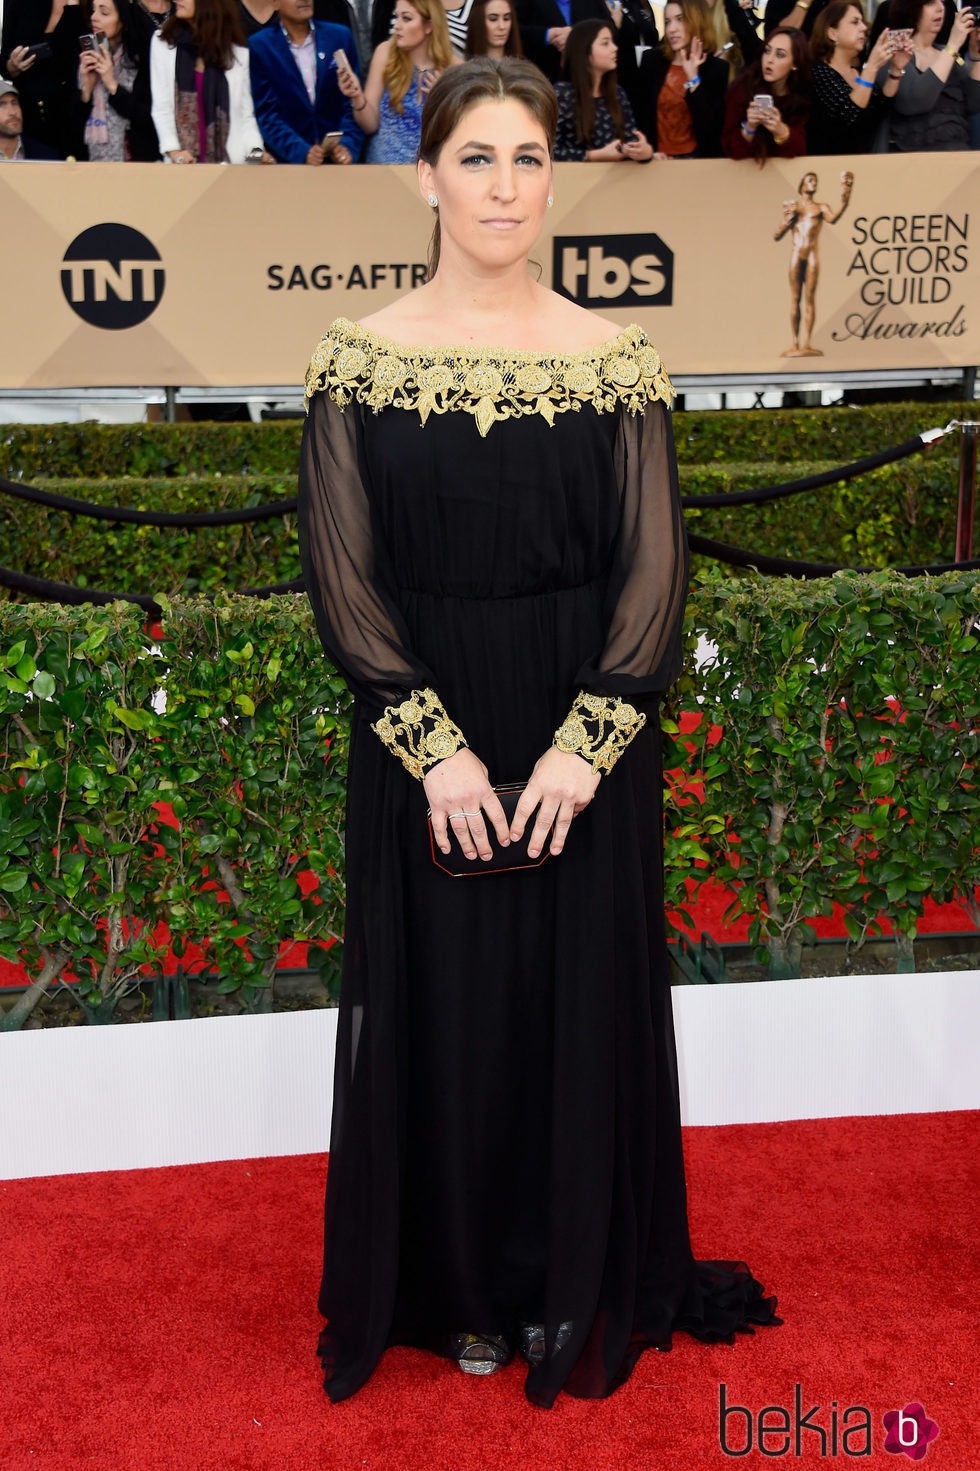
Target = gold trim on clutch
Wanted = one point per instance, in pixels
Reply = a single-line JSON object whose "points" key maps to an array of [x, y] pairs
{"points": [[419, 732], [599, 728], [352, 362]]}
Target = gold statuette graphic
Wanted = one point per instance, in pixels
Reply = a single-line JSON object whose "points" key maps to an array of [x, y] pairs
{"points": [[805, 217]]}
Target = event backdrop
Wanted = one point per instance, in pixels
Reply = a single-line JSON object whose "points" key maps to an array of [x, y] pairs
{"points": [[146, 275]]}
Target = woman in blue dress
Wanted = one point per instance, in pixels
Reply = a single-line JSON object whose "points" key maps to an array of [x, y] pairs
{"points": [[402, 70]]}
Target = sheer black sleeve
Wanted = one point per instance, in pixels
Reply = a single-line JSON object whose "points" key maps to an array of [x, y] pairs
{"points": [[643, 647], [349, 582]]}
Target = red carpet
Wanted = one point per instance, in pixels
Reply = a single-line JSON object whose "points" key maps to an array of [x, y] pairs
{"points": [[164, 1320]]}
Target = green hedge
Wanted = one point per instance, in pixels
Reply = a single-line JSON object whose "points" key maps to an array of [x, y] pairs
{"points": [[120, 557], [248, 749], [815, 792], [846, 770], [95, 450], [903, 513]]}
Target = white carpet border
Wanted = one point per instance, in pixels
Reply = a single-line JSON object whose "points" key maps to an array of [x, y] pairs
{"points": [[126, 1097]]}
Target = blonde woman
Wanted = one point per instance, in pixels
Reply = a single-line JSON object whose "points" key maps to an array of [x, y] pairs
{"points": [[402, 70]]}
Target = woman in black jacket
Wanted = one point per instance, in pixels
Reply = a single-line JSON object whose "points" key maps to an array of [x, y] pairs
{"points": [[684, 86]]}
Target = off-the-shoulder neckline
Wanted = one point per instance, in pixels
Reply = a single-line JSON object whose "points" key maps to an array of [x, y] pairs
{"points": [[630, 336]]}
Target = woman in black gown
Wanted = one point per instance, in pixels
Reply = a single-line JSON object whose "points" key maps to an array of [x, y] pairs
{"points": [[493, 547]]}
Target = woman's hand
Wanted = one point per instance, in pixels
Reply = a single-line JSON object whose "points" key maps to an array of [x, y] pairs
{"points": [[349, 85], [182, 155], [21, 59], [884, 50], [638, 148], [459, 793], [691, 58], [769, 118], [611, 153], [339, 154], [564, 785], [102, 63], [963, 24]]}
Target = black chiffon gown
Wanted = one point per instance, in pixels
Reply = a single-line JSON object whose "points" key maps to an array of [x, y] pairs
{"points": [[504, 530]]}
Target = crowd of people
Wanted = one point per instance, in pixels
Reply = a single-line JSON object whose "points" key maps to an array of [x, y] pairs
{"points": [[343, 81]]}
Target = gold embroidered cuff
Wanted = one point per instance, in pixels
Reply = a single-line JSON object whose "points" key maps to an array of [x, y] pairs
{"points": [[599, 728], [419, 732]]}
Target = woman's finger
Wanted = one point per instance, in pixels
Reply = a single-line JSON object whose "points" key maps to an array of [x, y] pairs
{"points": [[460, 826], [542, 826], [526, 804], [562, 823], [497, 816]]}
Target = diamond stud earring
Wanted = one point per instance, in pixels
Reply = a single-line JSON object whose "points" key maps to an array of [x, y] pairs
{"points": [[550, 200], [432, 202]]}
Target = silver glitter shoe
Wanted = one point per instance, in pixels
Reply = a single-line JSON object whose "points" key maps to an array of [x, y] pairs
{"points": [[532, 1341], [476, 1354]]}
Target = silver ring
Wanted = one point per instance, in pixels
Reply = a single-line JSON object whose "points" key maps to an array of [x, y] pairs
{"points": [[453, 815]]}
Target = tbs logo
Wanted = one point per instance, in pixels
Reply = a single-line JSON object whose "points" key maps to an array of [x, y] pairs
{"points": [[613, 270], [112, 277]]}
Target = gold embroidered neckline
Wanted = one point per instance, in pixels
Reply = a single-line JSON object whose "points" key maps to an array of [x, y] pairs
{"points": [[493, 384], [438, 351]]}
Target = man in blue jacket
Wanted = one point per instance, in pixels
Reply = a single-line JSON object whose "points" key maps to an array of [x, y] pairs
{"points": [[294, 87]]}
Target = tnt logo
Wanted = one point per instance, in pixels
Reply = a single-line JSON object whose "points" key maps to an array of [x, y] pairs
{"points": [[614, 270], [112, 277]]}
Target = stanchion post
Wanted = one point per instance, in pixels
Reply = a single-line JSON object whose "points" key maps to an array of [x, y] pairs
{"points": [[967, 492]]}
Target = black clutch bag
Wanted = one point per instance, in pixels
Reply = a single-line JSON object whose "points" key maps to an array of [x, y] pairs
{"points": [[503, 860]]}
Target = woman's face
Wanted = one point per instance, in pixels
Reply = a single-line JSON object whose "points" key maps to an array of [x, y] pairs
{"points": [[777, 61], [931, 19], [105, 19], [410, 29], [851, 32], [184, 9], [492, 180], [675, 29], [603, 53], [499, 19]]}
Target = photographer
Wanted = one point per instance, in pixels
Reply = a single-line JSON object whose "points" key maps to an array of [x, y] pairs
{"points": [[114, 87]]}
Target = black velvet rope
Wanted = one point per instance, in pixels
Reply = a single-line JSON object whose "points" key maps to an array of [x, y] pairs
{"points": [[807, 482], [66, 593], [721, 551], [281, 508], [145, 518]]}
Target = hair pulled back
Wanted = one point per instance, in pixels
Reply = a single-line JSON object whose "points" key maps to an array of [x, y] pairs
{"points": [[821, 46], [481, 79]]}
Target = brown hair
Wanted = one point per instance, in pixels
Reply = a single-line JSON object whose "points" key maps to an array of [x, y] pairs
{"points": [[697, 18], [398, 68], [821, 46], [476, 29], [215, 29], [482, 79], [575, 65], [906, 14]]}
